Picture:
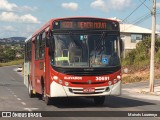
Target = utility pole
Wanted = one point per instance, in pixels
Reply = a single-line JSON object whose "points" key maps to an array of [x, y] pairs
{"points": [[151, 85]]}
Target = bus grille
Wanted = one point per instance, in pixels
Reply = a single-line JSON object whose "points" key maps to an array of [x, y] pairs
{"points": [[86, 83], [90, 73]]}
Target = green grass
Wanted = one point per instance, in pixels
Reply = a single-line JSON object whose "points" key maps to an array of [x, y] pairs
{"points": [[15, 62]]}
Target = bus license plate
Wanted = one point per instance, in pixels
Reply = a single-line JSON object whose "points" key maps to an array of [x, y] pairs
{"points": [[88, 90]]}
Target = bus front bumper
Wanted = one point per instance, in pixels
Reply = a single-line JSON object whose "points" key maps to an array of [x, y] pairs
{"points": [[57, 90]]}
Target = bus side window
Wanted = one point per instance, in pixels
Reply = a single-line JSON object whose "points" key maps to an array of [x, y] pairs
{"points": [[37, 48], [41, 45], [26, 59]]}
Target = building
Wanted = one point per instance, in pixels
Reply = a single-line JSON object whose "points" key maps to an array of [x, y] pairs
{"points": [[131, 35]]}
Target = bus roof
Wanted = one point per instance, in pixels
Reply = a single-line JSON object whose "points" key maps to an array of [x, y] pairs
{"points": [[49, 23], [53, 19]]}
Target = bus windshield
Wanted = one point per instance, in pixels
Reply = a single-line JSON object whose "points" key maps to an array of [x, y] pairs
{"points": [[85, 50]]}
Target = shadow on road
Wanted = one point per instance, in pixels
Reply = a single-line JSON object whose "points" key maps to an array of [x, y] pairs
{"points": [[111, 102], [120, 102]]}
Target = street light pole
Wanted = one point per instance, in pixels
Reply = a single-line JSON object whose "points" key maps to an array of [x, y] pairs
{"points": [[152, 47]]}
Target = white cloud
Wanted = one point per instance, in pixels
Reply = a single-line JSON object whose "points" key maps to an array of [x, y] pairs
{"points": [[12, 17], [29, 18], [8, 16], [27, 8], [99, 4], [5, 5], [120, 4], [70, 6], [111, 4]]}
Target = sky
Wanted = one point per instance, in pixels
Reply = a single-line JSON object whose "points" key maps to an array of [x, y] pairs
{"points": [[23, 17]]}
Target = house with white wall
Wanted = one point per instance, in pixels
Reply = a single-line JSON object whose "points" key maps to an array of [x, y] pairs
{"points": [[131, 35]]}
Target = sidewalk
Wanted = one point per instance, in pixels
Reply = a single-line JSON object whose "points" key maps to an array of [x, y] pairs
{"points": [[145, 90]]}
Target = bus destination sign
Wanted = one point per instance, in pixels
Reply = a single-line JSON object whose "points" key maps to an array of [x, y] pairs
{"points": [[81, 25], [84, 25]]}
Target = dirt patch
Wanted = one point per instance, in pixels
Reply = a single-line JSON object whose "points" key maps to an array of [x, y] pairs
{"points": [[142, 74]]}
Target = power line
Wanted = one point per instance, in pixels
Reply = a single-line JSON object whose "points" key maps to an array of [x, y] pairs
{"points": [[146, 6], [133, 11], [141, 19]]}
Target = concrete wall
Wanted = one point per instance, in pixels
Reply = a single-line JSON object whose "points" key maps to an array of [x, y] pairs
{"points": [[127, 42]]}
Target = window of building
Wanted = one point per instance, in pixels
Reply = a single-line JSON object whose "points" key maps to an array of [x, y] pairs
{"points": [[135, 37]]}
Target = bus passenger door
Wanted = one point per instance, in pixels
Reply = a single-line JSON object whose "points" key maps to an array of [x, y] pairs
{"points": [[33, 64]]}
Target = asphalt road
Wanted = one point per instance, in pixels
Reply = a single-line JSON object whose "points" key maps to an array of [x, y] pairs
{"points": [[14, 97]]}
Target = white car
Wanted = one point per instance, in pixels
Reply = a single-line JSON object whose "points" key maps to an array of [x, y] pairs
{"points": [[19, 69]]}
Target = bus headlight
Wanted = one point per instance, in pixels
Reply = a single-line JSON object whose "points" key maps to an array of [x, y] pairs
{"points": [[118, 77], [55, 77]]}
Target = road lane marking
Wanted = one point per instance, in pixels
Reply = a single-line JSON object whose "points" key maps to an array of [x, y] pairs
{"points": [[31, 109], [28, 109], [23, 103], [18, 98], [15, 95]]}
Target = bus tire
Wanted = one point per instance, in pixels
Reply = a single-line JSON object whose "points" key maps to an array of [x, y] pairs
{"points": [[30, 91], [99, 100], [47, 100]]}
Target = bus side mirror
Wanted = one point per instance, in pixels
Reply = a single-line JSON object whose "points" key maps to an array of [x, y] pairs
{"points": [[50, 52], [48, 38], [121, 45], [51, 46]]}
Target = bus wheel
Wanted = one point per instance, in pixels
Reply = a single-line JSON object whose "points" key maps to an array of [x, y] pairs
{"points": [[30, 91], [47, 100], [99, 100], [44, 97]]}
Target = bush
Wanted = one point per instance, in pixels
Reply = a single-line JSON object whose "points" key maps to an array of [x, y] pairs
{"points": [[140, 56], [157, 56], [129, 57]]}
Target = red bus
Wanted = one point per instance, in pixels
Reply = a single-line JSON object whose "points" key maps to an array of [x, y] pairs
{"points": [[72, 57]]}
